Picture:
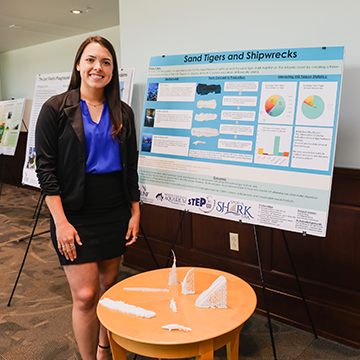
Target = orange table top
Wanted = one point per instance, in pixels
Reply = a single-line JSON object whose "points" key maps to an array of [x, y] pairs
{"points": [[205, 323]]}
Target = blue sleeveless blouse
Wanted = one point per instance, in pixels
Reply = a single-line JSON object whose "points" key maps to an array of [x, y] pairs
{"points": [[102, 150]]}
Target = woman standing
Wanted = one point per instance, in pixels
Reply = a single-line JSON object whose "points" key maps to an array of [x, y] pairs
{"points": [[86, 160]]}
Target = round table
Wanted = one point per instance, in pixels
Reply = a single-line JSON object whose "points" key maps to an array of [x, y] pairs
{"points": [[210, 328]]}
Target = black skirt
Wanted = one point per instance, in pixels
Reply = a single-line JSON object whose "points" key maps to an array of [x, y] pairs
{"points": [[101, 223]]}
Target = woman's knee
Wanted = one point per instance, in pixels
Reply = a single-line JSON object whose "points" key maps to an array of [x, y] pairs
{"points": [[86, 298]]}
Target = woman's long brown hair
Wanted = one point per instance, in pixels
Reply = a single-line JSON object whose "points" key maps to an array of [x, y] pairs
{"points": [[111, 90]]}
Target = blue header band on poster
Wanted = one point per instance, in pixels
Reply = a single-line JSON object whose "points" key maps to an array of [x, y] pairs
{"points": [[245, 56]]}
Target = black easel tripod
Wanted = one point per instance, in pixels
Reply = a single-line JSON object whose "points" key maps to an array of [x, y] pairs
{"points": [[264, 289], [28, 246]]}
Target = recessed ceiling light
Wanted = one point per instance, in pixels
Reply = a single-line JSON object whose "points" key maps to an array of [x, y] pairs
{"points": [[14, 26], [76, 12]]}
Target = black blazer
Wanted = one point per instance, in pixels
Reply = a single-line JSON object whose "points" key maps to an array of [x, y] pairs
{"points": [[61, 152]]}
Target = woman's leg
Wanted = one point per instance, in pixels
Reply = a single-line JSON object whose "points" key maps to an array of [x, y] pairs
{"points": [[108, 274], [85, 289]]}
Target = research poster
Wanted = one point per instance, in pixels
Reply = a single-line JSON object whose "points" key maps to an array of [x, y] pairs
{"points": [[245, 135], [47, 85], [11, 115]]}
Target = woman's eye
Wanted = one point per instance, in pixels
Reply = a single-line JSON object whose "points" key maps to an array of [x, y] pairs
{"points": [[89, 60], [107, 63]]}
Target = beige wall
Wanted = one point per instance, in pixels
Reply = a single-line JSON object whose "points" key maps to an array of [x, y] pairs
{"points": [[18, 68]]}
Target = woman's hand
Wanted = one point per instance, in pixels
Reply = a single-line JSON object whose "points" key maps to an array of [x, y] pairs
{"points": [[134, 223], [66, 236]]}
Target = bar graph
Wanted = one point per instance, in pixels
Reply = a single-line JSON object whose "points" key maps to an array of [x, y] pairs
{"points": [[276, 149], [273, 145]]}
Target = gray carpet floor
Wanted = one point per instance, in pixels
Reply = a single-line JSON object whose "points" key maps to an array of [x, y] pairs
{"points": [[37, 324]]}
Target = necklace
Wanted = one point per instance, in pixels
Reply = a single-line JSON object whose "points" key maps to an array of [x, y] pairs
{"points": [[94, 104]]}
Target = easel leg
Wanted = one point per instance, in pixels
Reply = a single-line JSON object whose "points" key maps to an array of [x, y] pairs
{"points": [[37, 206], [36, 213], [176, 236], [27, 250], [147, 242], [264, 292], [27, 237], [299, 284]]}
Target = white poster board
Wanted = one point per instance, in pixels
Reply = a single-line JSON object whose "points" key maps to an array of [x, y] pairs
{"points": [[126, 81], [47, 85], [11, 115], [243, 135]]}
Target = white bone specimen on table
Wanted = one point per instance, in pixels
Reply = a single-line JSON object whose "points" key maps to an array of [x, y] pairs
{"points": [[188, 284], [173, 274], [173, 305], [145, 289], [215, 295], [176, 327], [126, 308]]}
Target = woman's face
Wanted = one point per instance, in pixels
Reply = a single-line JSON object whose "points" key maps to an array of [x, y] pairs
{"points": [[95, 67]]}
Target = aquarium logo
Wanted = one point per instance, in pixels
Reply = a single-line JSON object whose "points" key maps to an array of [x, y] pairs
{"points": [[175, 199], [171, 198], [235, 208]]}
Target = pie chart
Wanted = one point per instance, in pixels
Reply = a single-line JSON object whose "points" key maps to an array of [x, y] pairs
{"points": [[313, 107], [275, 105]]}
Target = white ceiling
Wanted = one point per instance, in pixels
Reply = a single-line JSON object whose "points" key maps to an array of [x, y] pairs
{"points": [[40, 21]]}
